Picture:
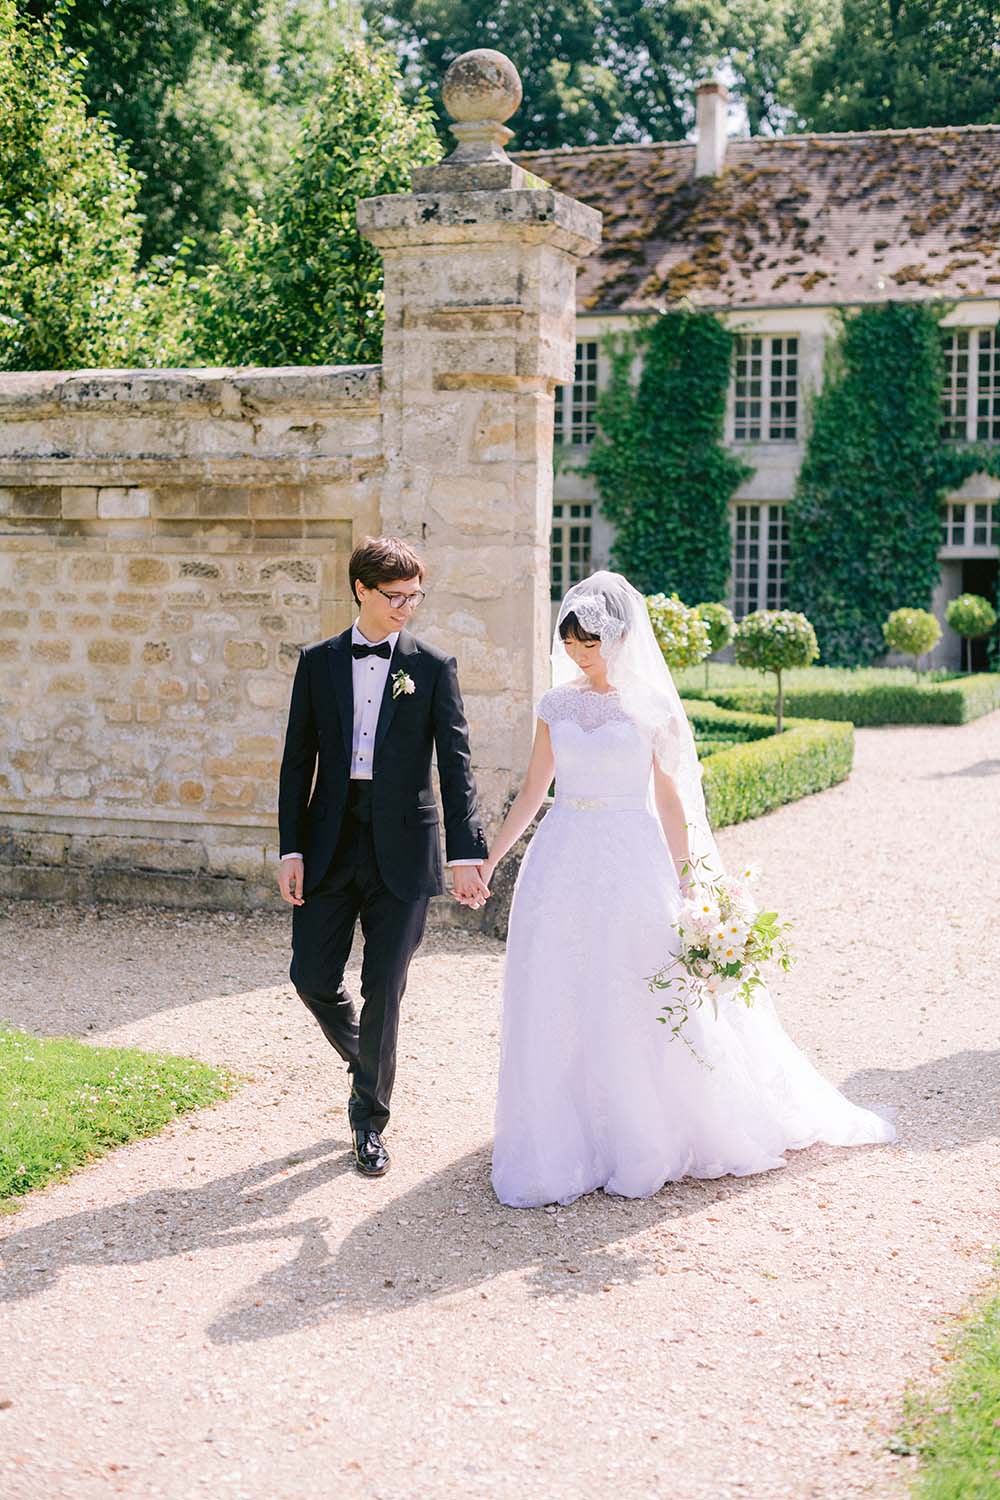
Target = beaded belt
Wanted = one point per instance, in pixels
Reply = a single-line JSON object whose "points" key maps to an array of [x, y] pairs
{"points": [[622, 803]]}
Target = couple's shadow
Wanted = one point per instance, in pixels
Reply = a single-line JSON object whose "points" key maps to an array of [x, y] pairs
{"points": [[448, 1233]]}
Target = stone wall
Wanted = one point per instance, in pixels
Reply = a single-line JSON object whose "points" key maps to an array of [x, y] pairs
{"points": [[168, 540]]}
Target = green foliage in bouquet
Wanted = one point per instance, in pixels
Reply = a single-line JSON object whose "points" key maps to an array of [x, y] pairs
{"points": [[912, 632], [773, 640], [681, 634], [663, 473], [720, 622], [971, 616]]}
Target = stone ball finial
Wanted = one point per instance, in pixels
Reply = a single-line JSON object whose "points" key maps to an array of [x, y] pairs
{"points": [[481, 85]]}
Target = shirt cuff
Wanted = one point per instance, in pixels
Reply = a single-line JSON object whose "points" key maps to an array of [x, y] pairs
{"points": [[290, 856], [451, 863]]}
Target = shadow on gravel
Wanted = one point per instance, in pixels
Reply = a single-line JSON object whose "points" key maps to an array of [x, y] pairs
{"points": [[446, 1235], [979, 768], [449, 1235], [944, 1103]]}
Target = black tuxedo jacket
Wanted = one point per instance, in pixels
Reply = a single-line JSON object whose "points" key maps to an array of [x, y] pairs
{"points": [[405, 821]]}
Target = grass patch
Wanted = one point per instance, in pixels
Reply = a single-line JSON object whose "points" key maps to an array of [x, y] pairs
{"points": [[762, 770], [65, 1102], [861, 696], [955, 1430]]}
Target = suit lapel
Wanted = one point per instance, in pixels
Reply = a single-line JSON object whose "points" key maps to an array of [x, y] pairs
{"points": [[406, 649], [342, 675]]}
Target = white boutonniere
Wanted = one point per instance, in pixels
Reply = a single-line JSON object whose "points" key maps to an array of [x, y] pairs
{"points": [[401, 683]]}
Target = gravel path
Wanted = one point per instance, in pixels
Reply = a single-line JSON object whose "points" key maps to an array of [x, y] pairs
{"points": [[227, 1309]]}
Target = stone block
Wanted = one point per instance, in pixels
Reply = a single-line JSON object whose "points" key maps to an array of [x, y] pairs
{"points": [[470, 503], [13, 619], [109, 653], [232, 794], [130, 624], [191, 793], [81, 623], [172, 690], [200, 568], [36, 568], [92, 568], [154, 652], [118, 713], [267, 692], [9, 650], [148, 713], [224, 504], [53, 651], [75, 786], [79, 502], [36, 504], [123, 504], [146, 571], [245, 654]]}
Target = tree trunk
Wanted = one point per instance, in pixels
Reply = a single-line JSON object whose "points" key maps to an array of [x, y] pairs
{"points": [[780, 716]]}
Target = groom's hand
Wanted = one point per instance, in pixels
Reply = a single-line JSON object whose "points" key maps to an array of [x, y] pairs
{"points": [[291, 876], [468, 885]]}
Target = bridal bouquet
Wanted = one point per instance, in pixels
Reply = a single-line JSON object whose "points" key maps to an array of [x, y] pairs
{"points": [[725, 942]]}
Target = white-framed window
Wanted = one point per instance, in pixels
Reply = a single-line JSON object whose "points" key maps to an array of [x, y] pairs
{"points": [[571, 540], [970, 398], [576, 405], [971, 526], [766, 388], [760, 557]]}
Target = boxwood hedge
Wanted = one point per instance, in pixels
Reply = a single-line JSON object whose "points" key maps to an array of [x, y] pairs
{"points": [[955, 700], [762, 770]]}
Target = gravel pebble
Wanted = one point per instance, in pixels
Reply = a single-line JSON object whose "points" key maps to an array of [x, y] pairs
{"points": [[228, 1309]]}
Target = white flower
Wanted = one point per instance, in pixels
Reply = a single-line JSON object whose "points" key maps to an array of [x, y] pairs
{"points": [[402, 683]]}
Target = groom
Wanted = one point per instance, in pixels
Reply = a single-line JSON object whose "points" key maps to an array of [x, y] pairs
{"points": [[367, 709]]}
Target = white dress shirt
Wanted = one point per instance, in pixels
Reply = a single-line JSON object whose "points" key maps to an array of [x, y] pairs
{"points": [[369, 674]]}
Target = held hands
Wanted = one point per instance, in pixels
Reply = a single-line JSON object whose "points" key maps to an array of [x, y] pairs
{"points": [[291, 878], [469, 885]]}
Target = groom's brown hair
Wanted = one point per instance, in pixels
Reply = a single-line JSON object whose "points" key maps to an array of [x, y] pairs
{"points": [[383, 559]]}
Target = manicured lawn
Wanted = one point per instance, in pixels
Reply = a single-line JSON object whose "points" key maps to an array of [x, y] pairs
{"points": [[956, 1430], [65, 1102]]}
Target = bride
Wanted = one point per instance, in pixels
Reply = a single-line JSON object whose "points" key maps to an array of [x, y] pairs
{"points": [[593, 1093]]}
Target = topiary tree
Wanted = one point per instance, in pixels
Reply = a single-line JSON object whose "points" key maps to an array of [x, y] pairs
{"points": [[971, 616], [682, 637], [300, 285], [720, 622], [773, 640], [913, 632], [69, 232]]}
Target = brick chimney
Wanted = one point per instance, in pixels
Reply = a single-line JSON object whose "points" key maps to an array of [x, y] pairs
{"points": [[710, 138]]}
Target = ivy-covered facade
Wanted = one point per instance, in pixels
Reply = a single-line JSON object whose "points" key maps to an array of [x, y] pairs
{"points": [[781, 242]]}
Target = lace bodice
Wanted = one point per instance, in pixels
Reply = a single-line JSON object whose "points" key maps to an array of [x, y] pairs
{"points": [[616, 762]]}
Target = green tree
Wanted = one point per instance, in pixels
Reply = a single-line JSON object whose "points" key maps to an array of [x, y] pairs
{"points": [[69, 232], [209, 98], [664, 477], [864, 520], [971, 616], [719, 620], [775, 640], [912, 632], [300, 286], [902, 63]]}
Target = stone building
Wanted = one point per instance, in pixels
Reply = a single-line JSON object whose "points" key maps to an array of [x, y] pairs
{"points": [[170, 538], [775, 235]]}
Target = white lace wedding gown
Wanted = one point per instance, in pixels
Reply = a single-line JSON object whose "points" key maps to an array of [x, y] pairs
{"points": [[593, 1091]]}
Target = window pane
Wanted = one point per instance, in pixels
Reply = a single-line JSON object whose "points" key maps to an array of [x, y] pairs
{"points": [[955, 390], [988, 386], [582, 423]]}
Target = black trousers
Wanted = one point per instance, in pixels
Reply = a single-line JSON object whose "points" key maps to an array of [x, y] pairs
{"points": [[322, 935]]}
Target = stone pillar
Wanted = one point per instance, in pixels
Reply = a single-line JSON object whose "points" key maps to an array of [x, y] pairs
{"points": [[480, 315]]}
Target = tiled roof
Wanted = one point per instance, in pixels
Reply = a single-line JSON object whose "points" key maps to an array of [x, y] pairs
{"points": [[807, 219]]}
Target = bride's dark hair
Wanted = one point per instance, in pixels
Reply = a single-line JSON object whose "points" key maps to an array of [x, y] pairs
{"points": [[570, 629]]}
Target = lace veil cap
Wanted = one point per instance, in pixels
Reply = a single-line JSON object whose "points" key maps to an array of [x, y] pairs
{"points": [[606, 605]]}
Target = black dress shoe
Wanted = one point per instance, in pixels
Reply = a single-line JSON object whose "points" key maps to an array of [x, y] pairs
{"points": [[370, 1155]]}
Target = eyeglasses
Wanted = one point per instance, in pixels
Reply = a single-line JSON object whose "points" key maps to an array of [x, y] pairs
{"points": [[403, 601]]}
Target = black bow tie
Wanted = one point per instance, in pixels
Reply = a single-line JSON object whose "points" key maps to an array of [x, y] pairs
{"points": [[383, 649]]}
